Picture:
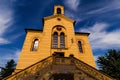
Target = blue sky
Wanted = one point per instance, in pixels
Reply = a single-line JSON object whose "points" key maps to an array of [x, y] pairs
{"points": [[99, 17]]}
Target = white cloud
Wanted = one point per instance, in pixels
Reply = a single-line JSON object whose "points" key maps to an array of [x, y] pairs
{"points": [[101, 39], [8, 56], [72, 4], [72, 16], [113, 5], [5, 20], [4, 41], [17, 53]]}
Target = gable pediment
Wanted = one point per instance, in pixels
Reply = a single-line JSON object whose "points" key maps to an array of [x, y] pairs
{"points": [[59, 16]]}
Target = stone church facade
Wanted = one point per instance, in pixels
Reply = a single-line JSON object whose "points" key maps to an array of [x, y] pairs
{"points": [[57, 52]]}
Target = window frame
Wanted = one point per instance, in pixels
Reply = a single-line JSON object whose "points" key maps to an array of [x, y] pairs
{"points": [[59, 29], [34, 48], [62, 42], [55, 42], [80, 46]]}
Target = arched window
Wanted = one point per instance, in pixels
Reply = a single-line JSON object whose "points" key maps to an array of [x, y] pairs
{"points": [[62, 40], [58, 11], [55, 40], [35, 45], [80, 46]]}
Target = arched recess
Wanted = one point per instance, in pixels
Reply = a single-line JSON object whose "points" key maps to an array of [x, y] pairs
{"points": [[58, 10], [61, 37], [80, 46]]}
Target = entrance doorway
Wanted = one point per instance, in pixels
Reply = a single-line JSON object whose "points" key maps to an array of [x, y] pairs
{"points": [[58, 54], [63, 76]]}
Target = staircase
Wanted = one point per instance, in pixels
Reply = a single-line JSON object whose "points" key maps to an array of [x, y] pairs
{"points": [[46, 68]]}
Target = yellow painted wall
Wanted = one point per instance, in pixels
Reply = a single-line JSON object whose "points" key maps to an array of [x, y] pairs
{"points": [[87, 55], [28, 57]]}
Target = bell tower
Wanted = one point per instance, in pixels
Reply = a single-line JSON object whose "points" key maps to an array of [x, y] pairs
{"points": [[58, 10]]}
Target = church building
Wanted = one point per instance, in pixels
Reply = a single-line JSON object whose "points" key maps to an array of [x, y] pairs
{"points": [[57, 52]]}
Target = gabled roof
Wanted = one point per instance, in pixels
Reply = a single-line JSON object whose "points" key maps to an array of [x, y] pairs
{"points": [[59, 15]]}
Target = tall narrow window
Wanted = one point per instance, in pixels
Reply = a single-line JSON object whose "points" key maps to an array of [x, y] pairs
{"points": [[58, 11], [80, 46], [55, 40], [35, 45], [62, 40]]}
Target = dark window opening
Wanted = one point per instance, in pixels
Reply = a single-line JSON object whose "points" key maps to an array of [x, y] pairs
{"points": [[58, 11], [62, 40], [55, 40], [58, 54], [63, 76], [80, 46]]}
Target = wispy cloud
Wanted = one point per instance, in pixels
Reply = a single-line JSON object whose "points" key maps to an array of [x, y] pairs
{"points": [[113, 5], [72, 4], [5, 20], [8, 56], [72, 16], [101, 39], [110, 9], [4, 41]]}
